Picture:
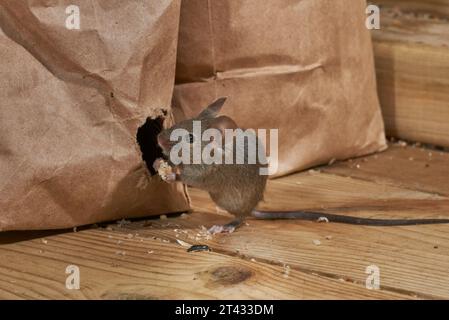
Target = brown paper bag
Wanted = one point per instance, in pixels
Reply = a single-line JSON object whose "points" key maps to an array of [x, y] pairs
{"points": [[71, 104], [304, 67]]}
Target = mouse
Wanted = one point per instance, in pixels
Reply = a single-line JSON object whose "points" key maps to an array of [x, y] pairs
{"points": [[237, 187]]}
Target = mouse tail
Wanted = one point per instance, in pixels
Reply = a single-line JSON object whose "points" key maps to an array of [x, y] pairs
{"points": [[317, 216]]}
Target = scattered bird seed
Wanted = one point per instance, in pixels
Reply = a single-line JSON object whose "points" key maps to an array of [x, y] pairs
{"points": [[183, 243], [286, 271], [196, 248]]}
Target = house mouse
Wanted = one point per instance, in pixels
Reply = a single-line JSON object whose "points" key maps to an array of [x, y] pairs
{"points": [[238, 187]]}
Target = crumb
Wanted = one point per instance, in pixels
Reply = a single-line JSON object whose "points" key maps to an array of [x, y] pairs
{"points": [[402, 143], [357, 166], [323, 219], [332, 161], [74, 229], [183, 243], [109, 229], [316, 242], [286, 271], [120, 253], [435, 247], [119, 242], [123, 222], [163, 217], [411, 158], [44, 241], [184, 216], [328, 237], [253, 260], [129, 236], [427, 165], [150, 252], [298, 182], [165, 170], [109, 236]]}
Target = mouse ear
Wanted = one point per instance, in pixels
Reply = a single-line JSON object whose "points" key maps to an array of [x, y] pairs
{"points": [[223, 122], [213, 109]]}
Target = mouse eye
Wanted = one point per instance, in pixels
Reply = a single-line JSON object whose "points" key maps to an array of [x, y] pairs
{"points": [[190, 138]]}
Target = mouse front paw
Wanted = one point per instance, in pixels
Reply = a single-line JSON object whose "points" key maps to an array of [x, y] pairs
{"points": [[164, 170]]}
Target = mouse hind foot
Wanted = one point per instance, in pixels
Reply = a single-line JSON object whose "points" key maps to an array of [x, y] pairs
{"points": [[226, 228]]}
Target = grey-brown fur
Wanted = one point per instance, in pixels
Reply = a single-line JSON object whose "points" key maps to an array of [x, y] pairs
{"points": [[237, 188]]}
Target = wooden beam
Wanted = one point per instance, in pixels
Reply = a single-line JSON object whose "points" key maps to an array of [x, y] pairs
{"points": [[439, 8], [412, 67], [115, 265]]}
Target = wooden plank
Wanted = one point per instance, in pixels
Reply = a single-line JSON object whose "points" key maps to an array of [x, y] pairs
{"points": [[413, 72], [406, 167], [264, 259], [412, 260], [339, 193], [438, 8], [35, 269]]}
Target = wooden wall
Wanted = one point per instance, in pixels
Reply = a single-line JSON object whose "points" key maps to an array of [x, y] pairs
{"points": [[412, 65]]}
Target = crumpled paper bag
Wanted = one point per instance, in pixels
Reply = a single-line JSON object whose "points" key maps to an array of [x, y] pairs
{"points": [[71, 104], [304, 67]]}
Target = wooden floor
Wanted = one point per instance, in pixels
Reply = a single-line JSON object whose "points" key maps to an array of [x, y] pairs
{"points": [[264, 259]]}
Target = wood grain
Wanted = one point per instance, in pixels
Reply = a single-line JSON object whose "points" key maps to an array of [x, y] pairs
{"points": [[263, 259], [413, 260], [34, 270], [407, 167], [412, 71], [436, 7]]}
